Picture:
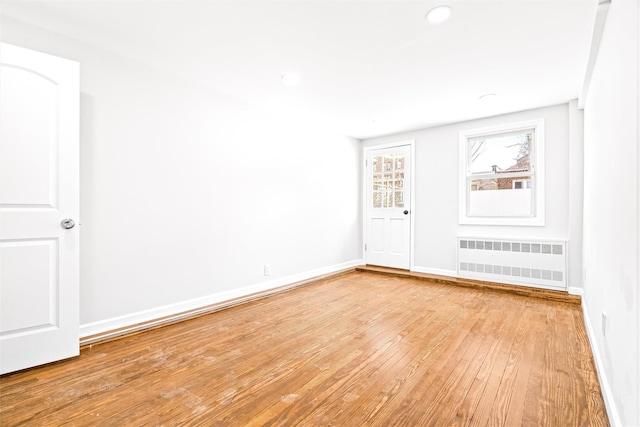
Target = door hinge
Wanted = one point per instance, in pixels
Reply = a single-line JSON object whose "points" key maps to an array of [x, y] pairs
{"points": [[366, 162], [365, 246]]}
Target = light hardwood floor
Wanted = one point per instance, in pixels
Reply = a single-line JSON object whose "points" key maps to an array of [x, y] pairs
{"points": [[362, 349]]}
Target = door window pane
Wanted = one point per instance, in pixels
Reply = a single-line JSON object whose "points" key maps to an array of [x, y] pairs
{"points": [[377, 199], [377, 182], [388, 199], [399, 199], [377, 164], [388, 182], [388, 163], [399, 181]]}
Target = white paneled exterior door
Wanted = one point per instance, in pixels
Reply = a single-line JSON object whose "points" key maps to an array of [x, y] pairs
{"points": [[39, 205], [388, 207]]}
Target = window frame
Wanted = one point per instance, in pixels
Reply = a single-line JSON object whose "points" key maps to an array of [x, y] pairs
{"points": [[537, 174], [526, 183]]}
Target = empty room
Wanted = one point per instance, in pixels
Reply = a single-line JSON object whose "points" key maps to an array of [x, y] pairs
{"points": [[320, 213]]}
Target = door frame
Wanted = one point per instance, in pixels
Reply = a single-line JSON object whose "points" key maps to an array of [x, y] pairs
{"points": [[412, 180]]}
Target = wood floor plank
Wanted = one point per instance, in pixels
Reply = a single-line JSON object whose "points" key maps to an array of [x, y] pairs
{"points": [[496, 332], [361, 349], [523, 366], [491, 373], [505, 409]]}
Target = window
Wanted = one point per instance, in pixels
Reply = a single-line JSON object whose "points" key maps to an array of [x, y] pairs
{"points": [[521, 184], [502, 174], [388, 181]]}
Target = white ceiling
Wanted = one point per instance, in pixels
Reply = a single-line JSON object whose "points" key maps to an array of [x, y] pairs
{"points": [[367, 68]]}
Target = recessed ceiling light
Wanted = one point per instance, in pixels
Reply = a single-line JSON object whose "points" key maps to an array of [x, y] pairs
{"points": [[439, 14], [290, 79], [488, 97]]}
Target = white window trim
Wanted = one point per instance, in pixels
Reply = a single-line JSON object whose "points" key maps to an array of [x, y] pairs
{"points": [[538, 219]]}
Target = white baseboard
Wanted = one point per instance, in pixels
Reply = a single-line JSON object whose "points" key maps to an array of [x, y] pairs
{"points": [[573, 290], [607, 393], [436, 271], [161, 314]]}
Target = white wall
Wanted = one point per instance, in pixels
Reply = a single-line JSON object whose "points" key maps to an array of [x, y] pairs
{"points": [[186, 193], [436, 206], [611, 212]]}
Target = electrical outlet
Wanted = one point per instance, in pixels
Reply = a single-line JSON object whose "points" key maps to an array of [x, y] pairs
{"points": [[267, 269], [604, 324]]}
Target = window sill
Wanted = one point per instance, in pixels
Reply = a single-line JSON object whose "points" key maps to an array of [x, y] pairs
{"points": [[523, 222]]}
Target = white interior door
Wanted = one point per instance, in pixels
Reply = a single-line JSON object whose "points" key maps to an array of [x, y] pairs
{"points": [[388, 207], [39, 177]]}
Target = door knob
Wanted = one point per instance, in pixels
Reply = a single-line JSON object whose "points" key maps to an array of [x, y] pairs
{"points": [[67, 224], [406, 212]]}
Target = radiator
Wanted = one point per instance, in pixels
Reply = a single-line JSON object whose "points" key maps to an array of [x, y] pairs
{"points": [[539, 263]]}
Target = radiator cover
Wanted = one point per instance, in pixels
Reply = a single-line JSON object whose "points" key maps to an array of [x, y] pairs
{"points": [[538, 263]]}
